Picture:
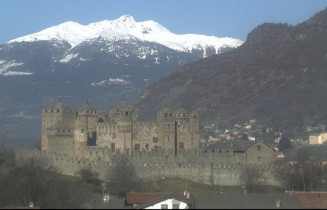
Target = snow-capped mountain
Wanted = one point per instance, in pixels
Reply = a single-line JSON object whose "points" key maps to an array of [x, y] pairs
{"points": [[126, 27], [103, 62]]}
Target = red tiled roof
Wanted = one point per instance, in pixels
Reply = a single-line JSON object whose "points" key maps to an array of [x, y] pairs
{"points": [[311, 200]]}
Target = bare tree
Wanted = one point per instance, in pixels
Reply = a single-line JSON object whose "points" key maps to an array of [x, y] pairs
{"points": [[122, 176], [250, 177]]}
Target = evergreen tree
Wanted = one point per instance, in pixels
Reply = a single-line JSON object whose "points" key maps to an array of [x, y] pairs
{"points": [[284, 143]]}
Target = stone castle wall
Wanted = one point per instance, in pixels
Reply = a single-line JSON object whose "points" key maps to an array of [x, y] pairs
{"points": [[207, 168]]}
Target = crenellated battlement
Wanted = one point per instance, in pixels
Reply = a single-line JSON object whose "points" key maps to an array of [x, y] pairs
{"points": [[198, 166]]}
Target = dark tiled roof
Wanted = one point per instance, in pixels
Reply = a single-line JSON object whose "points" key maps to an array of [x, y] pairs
{"points": [[245, 201], [237, 145], [311, 200], [87, 107], [60, 106]]}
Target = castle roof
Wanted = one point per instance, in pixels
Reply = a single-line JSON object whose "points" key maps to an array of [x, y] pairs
{"points": [[181, 111], [60, 106], [166, 109], [235, 145], [124, 105], [87, 107]]}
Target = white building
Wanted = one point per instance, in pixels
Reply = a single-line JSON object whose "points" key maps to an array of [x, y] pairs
{"points": [[318, 138]]}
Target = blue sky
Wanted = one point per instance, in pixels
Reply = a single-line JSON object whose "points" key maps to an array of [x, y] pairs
{"points": [[232, 18]]}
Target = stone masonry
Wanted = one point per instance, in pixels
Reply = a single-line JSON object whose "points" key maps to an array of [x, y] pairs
{"points": [[76, 139]]}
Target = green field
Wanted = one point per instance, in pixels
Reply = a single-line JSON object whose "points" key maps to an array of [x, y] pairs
{"points": [[175, 185]]}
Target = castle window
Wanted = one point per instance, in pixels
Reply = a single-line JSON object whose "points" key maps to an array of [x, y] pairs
{"points": [[126, 113], [155, 139], [181, 145], [227, 151], [113, 147], [164, 206], [57, 110], [175, 206], [147, 147], [194, 116], [137, 147], [259, 147], [166, 114], [82, 131], [259, 159], [114, 135], [170, 114], [51, 110]]}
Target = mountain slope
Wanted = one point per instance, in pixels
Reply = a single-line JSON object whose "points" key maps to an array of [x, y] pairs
{"points": [[279, 74], [102, 62]]}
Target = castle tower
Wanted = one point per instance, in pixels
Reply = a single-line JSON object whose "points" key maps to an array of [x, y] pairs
{"points": [[85, 129], [194, 120], [58, 115], [124, 116], [178, 130], [166, 130]]}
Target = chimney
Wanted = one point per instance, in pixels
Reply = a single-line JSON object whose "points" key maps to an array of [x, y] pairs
{"points": [[277, 203]]}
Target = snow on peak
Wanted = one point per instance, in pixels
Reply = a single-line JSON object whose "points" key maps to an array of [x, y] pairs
{"points": [[126, 26], [126, 18]]}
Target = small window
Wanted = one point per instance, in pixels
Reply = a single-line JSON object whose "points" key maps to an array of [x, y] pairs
{"points": [[137, 147], [259, 159], [155, 139], [147, 147], [181, 145], [126, 113], [175, 206], [113, 147], [166, 114], [114, 135], [259, 147], [164, 206]]}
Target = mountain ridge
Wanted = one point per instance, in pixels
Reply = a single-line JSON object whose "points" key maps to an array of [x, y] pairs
{"points": [[126, 27], [277, 74]]}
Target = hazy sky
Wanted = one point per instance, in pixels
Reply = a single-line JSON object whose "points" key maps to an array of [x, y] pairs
{"points": [[232, 18]]}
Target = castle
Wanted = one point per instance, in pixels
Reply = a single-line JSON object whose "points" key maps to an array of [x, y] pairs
{"points": [[73, 140], [72, 132]]}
